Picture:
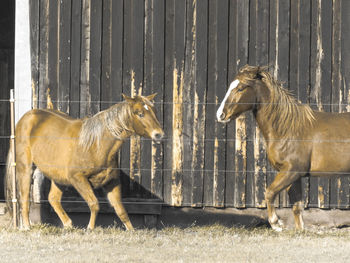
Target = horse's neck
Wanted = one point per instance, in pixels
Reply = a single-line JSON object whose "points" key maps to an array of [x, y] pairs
{"points": [[110, 143], [264, 125]]}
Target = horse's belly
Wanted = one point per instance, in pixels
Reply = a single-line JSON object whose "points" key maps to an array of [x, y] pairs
{"points": [[330, 159], [55, 173]]}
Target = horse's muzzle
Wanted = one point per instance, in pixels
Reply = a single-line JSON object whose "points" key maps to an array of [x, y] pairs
{"points": [[157, 137], [221, 118]]}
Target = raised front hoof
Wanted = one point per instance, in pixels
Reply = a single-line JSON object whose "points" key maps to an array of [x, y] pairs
{"points": [[277, 226]]}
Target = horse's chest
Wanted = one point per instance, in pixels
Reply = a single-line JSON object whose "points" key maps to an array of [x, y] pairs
{"points": [[102, 178], [106, 172]]}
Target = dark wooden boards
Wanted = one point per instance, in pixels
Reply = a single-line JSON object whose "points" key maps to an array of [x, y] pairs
{"points": [[87, 52]]}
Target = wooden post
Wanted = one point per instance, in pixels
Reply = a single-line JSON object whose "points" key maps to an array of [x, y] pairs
{"points": [[13, 152]]}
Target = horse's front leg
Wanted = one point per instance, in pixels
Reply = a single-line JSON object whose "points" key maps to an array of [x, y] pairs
{"points": [[83, 186], [113, 189], [282, 180]]}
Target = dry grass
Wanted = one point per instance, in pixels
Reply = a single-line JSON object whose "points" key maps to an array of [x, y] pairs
{"points": [[195, 244]]}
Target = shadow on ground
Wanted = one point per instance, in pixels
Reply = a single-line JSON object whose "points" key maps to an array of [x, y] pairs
{"points": [[170, 217]]}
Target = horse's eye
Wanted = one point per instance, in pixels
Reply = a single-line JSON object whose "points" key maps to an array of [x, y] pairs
{"points": [[241, 88], [141, 115]]}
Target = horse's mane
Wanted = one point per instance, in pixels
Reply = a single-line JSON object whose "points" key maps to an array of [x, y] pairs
{"points": [[115, 119], [288, 116]]}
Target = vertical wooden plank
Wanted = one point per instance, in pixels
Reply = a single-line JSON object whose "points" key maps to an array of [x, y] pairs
{"points": [[6, 72], [112, 53], [146, 144], [174, 68], [258, 56], [34, 15], [106, 56], [231, 127], [210, 109], [279, 54], [95, 54], [313, 194], [236, 151], [337, 98], [279, 40], [214, 190], [116, 88], [177, 106], [85, 96], [200, 88], [344, 192], [187, 98], [64, 55], [133, 80], [168, 67], [43, 55], [75, 58], [221, 83], [321, 44], [90, 57], [117, 23], [154, 83], [299, 82], [53, 53]]}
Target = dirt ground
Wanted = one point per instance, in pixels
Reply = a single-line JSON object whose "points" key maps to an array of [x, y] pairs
{"points": [[215, 243]]}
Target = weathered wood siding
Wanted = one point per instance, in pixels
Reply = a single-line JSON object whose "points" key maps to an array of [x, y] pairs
{"points": [[7, 43], [85, 53]]}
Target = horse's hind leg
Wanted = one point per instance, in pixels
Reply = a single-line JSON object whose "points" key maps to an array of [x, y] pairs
{"points": [[281, 181], [24, 176], [55, 196], [295, 197], [113, 190]]}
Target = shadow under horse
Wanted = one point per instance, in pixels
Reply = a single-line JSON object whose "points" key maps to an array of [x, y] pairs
{"points": [[299, 141], [79, 153]]}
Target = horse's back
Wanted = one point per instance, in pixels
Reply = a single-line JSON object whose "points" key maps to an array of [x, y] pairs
{"points": [[43, 120], [48, 138], [47, 128]]}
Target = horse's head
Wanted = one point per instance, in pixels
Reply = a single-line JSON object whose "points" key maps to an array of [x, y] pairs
{"points": [[145, 122], [241, 95]]}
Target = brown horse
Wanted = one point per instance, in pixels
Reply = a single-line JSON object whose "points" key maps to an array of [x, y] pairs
{"points": [[299, 141], [79, 153]]}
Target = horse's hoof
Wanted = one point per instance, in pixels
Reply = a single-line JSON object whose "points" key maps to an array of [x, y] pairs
{"points": [[89, 228], [24, 228], [277, 226], [68, 225]]}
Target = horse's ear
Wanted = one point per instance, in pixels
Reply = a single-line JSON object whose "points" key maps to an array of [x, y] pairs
{"points": [[127, 98], [260, 70], [151, 97], [258, 76]]}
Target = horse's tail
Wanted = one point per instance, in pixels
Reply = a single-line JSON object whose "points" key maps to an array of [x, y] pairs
{"points": [[8, 187]]}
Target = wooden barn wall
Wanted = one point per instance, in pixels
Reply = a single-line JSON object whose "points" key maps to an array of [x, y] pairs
{"points": [[85, 53]]}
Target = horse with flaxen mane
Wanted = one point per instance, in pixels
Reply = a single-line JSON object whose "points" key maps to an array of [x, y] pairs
{"points": [[79, 153], [299, 141]]}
